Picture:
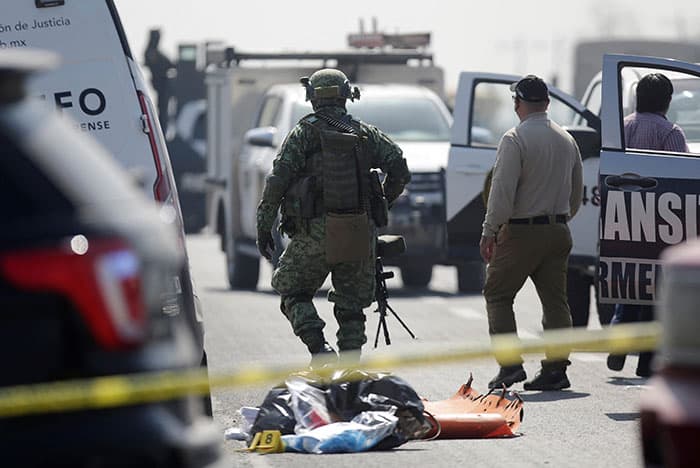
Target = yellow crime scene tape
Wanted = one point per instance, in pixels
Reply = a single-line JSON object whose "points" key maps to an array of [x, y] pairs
{"points": [[131, 389]]}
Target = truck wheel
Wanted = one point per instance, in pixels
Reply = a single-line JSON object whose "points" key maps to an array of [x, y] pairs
{"points": [[243, 270], [416, 276], [471, 277]]}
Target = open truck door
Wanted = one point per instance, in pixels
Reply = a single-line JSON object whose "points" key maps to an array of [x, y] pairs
{"points": [[649, 198], [483, 113]]}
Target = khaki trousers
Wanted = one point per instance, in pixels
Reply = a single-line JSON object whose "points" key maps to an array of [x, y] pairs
{"points": [[537, 251]]}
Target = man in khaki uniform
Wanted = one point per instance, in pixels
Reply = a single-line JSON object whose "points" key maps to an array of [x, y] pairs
{"points": [[537, 187]]}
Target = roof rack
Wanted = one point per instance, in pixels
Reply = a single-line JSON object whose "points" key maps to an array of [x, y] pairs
{"points": [[229, 56]]}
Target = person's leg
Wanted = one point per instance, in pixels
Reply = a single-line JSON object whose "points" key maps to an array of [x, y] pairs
{"points": [[645, 314], [300, 272], [353, 290], [512, 262], [624, 313], [550, 281]]}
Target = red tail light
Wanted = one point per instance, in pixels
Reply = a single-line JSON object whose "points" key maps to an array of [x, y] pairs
{"points": [[101, 278], [161, 188]]}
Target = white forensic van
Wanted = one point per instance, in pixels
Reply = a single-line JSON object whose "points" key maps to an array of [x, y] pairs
{"points": [[99, 86]]}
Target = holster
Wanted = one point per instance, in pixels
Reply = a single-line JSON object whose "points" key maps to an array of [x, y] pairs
{"points": [[347, 237]]}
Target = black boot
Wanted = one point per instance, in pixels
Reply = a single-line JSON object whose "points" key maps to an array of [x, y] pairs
{"points": [[325, 355], [616, 361], [508, 375], [644, 364], [550, 377]]}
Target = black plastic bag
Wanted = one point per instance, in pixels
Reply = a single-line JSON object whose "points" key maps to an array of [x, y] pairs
{"points": [[352, 392], [348, 394], [275, 413]]}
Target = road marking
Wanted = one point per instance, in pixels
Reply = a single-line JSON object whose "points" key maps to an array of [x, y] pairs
{"points": [[467, 313]]}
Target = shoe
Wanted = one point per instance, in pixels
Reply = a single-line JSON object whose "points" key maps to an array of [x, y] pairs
{"points": [[508, 375], [548, 379], [616, 361], [324, 356], [644, 365]]}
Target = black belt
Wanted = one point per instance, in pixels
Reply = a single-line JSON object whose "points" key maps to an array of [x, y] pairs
{"points": [[544, 219]]}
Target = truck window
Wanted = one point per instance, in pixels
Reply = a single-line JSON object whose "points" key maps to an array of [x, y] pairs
{"points": [[493, 113], [269, 111], [595, 98], [684, 110], [402, 118]]}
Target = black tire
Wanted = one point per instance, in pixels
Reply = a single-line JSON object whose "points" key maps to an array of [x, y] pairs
{"points": [[471, 277], [242, 270], [416, 276]]}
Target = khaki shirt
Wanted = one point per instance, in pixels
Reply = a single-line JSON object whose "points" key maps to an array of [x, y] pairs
{"points": [[538, 171]]}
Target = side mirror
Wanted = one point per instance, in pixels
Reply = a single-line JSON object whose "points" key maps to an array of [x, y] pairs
{"points": [[262, 136]]}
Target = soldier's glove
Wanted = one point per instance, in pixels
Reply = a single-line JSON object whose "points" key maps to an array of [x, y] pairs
{"points": [[266, 244]]}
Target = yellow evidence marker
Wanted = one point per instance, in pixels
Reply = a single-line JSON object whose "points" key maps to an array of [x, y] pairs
{"points": [[267, 442]]}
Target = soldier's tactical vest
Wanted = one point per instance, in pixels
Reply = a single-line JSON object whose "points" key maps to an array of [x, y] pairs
{"points": [[336, 183]]}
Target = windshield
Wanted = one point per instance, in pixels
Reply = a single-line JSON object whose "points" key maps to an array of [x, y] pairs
{"points": [[402, 118], [685, 108]]}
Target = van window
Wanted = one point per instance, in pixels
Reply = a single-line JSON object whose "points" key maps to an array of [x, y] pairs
{"points": [[269, 111], [683, 111], [493, 113]]}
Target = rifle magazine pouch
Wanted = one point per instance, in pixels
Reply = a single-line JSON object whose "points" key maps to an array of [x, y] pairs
{"points": [[341, 188], [347, 237]]}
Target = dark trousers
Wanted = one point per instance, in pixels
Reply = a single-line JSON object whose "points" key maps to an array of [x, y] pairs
{"points": [[541, 253], [578, 291], [631, 313]]}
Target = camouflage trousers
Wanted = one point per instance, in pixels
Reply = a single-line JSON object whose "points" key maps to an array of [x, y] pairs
{"points": [[302, 270]]}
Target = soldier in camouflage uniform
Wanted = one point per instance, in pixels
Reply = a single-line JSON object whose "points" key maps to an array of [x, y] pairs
{"points": [[320, 175]]}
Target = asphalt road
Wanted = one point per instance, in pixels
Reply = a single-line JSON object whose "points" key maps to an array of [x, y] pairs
{"points": [[593, 424]]}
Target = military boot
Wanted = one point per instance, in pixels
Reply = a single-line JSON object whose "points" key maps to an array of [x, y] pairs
{"points": [[325, 355], [552, 376], [508, 375]]}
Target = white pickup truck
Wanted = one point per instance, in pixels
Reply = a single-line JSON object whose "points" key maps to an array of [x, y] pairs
{"points": [[251, 108], [648, 201], [483, 112]]}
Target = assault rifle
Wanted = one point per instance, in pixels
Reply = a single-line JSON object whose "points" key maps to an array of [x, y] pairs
{"points": [[387, 246]]}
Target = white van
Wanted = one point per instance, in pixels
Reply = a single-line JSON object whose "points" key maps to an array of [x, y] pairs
{"points": [[99, 86]]}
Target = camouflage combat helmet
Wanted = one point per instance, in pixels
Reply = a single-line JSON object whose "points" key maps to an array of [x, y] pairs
{"points": [[328, 85]]}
